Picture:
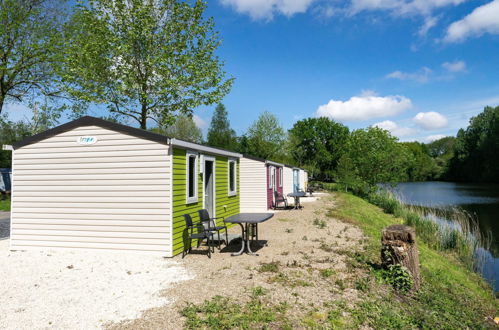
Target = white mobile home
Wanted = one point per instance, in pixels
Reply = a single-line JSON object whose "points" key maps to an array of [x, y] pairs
{"points": [[94, 184]]}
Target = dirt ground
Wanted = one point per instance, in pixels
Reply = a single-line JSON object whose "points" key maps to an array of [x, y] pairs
{"points": [[301, 245]]}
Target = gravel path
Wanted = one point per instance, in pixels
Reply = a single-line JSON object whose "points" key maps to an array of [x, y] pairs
{"points": [[4, 225], [80, 289]]}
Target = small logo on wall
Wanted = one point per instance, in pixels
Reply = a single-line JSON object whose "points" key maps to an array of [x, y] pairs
{"points": [[86, 140]]}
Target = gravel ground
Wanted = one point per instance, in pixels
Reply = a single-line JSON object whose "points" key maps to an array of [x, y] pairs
{"points": [[80, 289], [303, 242], [4, 225]]}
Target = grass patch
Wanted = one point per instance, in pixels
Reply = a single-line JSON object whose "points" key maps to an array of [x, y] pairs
{"points": [[224, 313], [319, 223], [4, 204], [451, 297], [270, 267]]}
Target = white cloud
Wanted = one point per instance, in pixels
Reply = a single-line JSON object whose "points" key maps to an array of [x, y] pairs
{"points": [[422, 76], [200, 122], [365, 106], [484, 19], [429, 23], [402, 7], [435, 137], [456, 66], [430, 120], [265, 9], [395, 129]]}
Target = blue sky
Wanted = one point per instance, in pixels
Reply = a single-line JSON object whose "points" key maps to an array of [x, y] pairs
{"points": [[419, 68]]}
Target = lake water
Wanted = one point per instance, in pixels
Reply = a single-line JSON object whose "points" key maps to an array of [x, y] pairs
{"points": [[481, 200]]}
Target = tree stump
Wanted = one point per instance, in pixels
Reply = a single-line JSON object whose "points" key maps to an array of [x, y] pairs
{"points": [[399, 247]]}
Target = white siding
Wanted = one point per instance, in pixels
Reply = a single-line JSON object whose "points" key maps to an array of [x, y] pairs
{"points": [[288, 180], [303, 180], [114, 194], [253, 185]]}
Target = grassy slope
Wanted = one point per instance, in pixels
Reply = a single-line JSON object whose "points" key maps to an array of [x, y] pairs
{"points": [[5, 205], [451, 295]]}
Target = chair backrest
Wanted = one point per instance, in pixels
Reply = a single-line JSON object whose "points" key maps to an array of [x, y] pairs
{"points": [[188, 220], [205, 219], [277, 195]]}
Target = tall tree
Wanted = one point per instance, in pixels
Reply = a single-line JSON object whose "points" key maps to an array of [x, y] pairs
{"points": [[477, 149], [30, 40], [184, 128], [144, 59], [266, 138], [318, 143], [220, 134], [376, 156]]}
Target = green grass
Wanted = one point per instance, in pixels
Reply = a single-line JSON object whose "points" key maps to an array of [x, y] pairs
{"points": [[451, 297], [224, 313], [5, 205]]}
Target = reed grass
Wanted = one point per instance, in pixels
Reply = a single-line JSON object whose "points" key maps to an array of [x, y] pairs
{"points": [[445, 229]]}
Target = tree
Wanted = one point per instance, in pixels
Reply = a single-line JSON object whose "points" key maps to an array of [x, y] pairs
{"points": [[30, 40], [220, 134], [146, 60], [421, 166], [376, 156], [319, 143], [266, 138], [477, 149], [184, 128]]}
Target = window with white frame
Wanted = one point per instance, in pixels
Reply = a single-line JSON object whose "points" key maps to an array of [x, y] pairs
{"points": [[271, 177], [232, 177], [191, 174], [280, 176]]}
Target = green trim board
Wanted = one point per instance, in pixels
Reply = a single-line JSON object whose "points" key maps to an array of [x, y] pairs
{"points": [[224, 206]]}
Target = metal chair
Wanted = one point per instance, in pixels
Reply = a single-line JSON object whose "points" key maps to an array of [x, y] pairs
{"points": [[278, 198], [211, 225], [202, 234]]}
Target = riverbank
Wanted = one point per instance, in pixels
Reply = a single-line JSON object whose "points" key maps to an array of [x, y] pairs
{"points": [[321, 270]]}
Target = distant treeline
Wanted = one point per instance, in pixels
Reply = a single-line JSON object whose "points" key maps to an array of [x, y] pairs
{"points": [[358, 159]]}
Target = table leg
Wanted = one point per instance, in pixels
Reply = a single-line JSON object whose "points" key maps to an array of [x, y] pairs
{"points": [[243, 241], [248, 245]]}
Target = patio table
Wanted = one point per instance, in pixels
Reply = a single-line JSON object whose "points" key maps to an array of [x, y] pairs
{"points": [[248, 221], [296, 196]]}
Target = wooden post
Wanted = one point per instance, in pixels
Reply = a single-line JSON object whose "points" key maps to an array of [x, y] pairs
{"points": [[399, 247]]}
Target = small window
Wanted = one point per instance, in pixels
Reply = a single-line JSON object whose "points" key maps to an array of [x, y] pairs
{"points": [[192, 182], [280, 176], [232, 177]]}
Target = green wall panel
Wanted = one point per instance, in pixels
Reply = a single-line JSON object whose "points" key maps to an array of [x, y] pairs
{"points": [[225, 205]]}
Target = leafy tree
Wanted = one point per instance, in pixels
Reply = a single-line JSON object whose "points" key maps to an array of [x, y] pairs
{"points": [[477, 149], [184, 128], [318, 143], [376, 156], [146, 60], [220, 134], [266, 138], [442, 147], [30, 39], [421, 166]]}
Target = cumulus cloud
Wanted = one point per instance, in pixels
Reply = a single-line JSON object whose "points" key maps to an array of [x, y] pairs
{"points": [[365, 106], [430, 120], [435, 137], [395, 129], [402, 7], [265, 9], [456, 66], [422, 76], [484, 19]]}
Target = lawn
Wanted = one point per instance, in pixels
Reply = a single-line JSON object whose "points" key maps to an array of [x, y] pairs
{"points": [[5, 205]]}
